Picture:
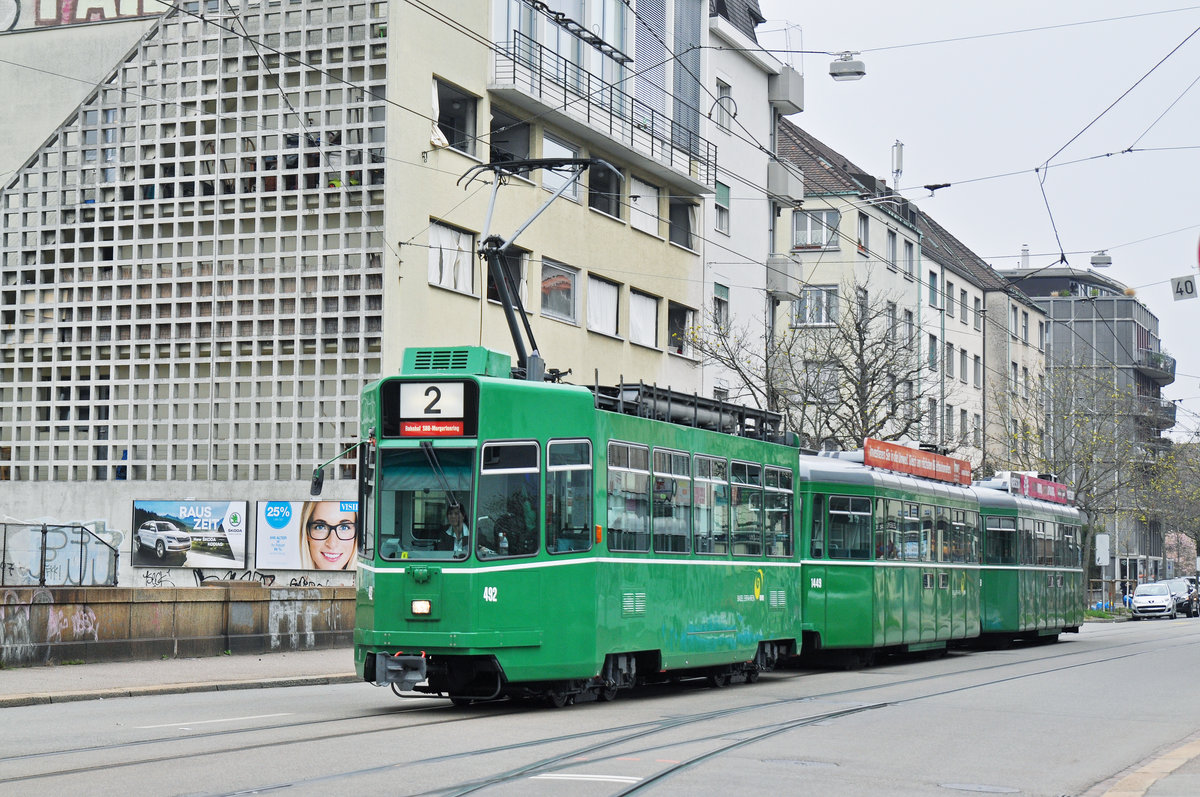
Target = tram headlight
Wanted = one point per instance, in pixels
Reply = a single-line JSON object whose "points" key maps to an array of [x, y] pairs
{"points": [[422, 606]]}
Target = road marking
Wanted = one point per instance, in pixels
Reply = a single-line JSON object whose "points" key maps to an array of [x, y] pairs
{"points": [[209, 722], [602, 778], [1139, 782]]}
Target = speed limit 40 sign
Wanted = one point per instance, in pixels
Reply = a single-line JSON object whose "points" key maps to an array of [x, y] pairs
{"points": [[1183, 288]]}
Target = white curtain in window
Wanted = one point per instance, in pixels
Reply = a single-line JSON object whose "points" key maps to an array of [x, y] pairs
{"points": [[643, 319], [643, 206], [602, 306], [450, 258], [436, 137]]}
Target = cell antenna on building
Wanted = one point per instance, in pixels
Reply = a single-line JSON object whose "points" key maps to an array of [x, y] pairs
{"points": [[897, 163]]}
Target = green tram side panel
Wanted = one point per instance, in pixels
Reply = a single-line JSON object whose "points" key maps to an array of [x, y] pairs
{"points": [[557, 616], [883, 603], [1026, 598]]}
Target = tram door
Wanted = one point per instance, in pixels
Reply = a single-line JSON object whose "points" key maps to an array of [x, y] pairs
{"points": [[814, 573]]}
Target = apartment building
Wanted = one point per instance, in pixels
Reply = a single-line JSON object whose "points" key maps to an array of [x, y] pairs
{"points": [[260, 205]]}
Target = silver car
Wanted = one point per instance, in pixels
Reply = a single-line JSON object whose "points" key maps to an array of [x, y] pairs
{"points": [[163, 538], [1153, 600]]}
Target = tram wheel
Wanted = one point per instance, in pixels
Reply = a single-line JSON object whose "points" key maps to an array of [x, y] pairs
{"points": [[718, 680], [607, 694], [461, 702], [752, 676], [558, 699]]}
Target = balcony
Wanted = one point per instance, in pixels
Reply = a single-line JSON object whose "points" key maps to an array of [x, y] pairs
{"points": [[1158, 366], [540, 80], [1158, 413]]}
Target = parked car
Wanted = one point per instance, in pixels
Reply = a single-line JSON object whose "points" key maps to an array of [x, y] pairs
{"points": [[1184, 594], [163, 538], [1153, 600]]}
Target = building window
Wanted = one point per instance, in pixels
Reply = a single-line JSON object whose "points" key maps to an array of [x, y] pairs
{"points": [[962, 426], [455, 113], [821, 379], [864, 233], [451, 258], [932, 434], [722, 204], [977, 430], [643, 206], [933, 289], [643, 319], [720, 305], [962, 366], [602, 306], [910, 328], [893, 322], [1012, 321], [508, 138], [1041, 336], [682, 221], [978, 313], [680, 321], [559, 296], [815, 229], [1012, 386], [1025, 326], [978, 371], [553, 180], [962, 306], [910, 259], [863, 301], [1024, 381], [933, 352], [890, 254], [817, 305], [949, 299], [604, 190], [723, 108], [515, 263], [949, 360]]}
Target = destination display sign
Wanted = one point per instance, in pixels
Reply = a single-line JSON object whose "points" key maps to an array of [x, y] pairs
{"points": [[1042, 489], [914, 461], [432, 409]]}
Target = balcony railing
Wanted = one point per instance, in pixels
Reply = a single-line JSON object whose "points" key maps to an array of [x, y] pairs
{"points": [[563, 85], [1160, 412], [1160, 366]]}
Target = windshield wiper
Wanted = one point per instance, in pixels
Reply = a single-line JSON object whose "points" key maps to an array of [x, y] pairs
{"points": [[436, 467]]}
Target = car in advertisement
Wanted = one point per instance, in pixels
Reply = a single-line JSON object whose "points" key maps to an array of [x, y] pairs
{"points": [[163, 538]]}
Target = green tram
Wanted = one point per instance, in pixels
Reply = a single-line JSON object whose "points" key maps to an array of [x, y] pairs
{"points": [[1032, 576], [601, 546], [891, 558]]}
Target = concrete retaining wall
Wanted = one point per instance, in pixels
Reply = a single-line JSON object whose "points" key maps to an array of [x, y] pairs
{"points": [[40, 625]]}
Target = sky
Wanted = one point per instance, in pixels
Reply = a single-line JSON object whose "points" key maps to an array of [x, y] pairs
{"points": [[989, 105]]}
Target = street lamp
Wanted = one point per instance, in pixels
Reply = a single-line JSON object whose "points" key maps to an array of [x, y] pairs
{"points": [[1101, 259], [847, 68]]}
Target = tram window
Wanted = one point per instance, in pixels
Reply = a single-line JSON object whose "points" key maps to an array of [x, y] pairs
{"points": [[507, 515], [817, 540], [366, 504], [941, 529], [628, 497], [1055, 532], [569, 496], [850, 522], [1000, 541], [1027, 552], [911, 529], [710, 511], [672, 496], [928, 538], [779, 512], [958, 535], [413, 501], [972, 532], [747, 509], [1070, 545], [893, 540]]}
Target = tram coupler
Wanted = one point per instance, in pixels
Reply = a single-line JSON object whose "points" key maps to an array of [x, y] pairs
{"points": [[403, 671]]}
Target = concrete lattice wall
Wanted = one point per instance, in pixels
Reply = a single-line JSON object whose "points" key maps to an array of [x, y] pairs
{"points": [[43, 625]]}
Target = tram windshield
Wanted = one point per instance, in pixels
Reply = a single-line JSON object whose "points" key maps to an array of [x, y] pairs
{"points": [[425, 503]]}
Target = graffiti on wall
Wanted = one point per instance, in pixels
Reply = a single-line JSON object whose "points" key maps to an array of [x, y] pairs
{"points": [[74, 556], [27, 14], [25, 638]]}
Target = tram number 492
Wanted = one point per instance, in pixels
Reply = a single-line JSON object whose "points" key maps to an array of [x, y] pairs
{"points": [[489, 594], [814, 583]]}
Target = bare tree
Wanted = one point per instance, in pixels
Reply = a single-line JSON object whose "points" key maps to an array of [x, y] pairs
{"points": [[844, 369]]}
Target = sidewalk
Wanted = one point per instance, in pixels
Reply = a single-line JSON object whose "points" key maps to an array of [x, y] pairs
{"points": [[61, 683]]}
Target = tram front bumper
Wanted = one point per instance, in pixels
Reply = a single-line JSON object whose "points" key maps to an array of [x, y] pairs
{"points": [[403, 670]]}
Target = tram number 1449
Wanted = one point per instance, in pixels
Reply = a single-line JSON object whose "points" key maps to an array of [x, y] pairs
{"points": [[814, 583]]}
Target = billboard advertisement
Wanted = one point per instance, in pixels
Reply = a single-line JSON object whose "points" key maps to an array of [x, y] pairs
{"points": [[189, 534], [306, 535]]}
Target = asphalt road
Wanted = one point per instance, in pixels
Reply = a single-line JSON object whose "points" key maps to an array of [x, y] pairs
{"points": [[1050, 719]]}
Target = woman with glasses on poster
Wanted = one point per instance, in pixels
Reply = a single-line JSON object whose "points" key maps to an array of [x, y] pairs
{"points": [[327, 534]]}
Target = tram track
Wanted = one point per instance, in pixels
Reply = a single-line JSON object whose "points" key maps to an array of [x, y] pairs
{"points": [[557, 763]]}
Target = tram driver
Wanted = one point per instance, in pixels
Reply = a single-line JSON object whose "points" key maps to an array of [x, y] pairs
{"points": [[455, 536]]}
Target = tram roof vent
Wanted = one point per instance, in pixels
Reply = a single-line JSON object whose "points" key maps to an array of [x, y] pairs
{"points": [[476, 360]]}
